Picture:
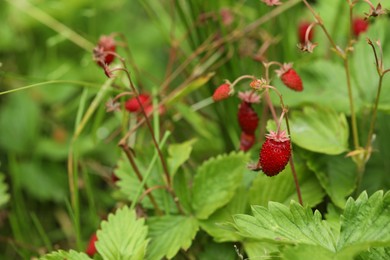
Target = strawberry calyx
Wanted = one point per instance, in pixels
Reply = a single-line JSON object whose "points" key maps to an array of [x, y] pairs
{"points": [[249, 97], [283, 69], [279, 136]]}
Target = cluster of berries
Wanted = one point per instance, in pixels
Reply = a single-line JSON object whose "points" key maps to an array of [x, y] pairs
{"points": [[275, 152]]}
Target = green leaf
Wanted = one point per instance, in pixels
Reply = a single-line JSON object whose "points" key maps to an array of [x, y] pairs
{"points": [[129, 184], [336, 174], [286, 225], [69, 255], [321, 130], [4, 196], [212, 225], [365, 223], [123, 236], [170, 233], [375, 254], [216, 182], [179, 154], [281, 188], [260, 249], [305, 252]]}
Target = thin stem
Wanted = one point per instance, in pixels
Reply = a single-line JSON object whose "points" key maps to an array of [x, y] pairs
{"points": [[375, 54], [241, 78], [350, 35], [374, 114], [79, 83], [352, 107], [131, 58], [271, 107], [291, 161], [129, 156], [164, 165], [321, 24]]}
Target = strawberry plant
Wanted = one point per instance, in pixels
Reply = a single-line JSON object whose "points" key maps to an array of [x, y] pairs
{"points": [[194, 129]]}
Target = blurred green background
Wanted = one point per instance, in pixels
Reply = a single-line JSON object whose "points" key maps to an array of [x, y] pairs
{"points": [[49, 42]]}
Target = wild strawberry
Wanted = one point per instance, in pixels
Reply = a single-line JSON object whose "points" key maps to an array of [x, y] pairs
{"points": [[222, 92], [103, 52], [289, 77], [275, 153], [246, 141], [302, 28], [132, 104], [359, 25], [91, 249], [247, 116]]}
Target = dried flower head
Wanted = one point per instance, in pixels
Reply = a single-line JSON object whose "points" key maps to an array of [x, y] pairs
{"points": [[308, 46], [271, 2], [374, 11]]}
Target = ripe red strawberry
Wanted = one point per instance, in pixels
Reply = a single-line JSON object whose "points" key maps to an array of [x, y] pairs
{"points": [[91, 249], [222, 92], [247, 118], [290, 77], [102, 54], [302, 28], [246, 141], [275, 153], [132, 104], [359, 26]]}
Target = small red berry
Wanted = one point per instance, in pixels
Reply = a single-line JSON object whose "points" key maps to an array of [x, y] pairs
{"points": [[132, 104], [275, 153], [247, 118], [103, 53], [246, 141], [302, 28], [222, 92], [359, 25], [91, 249], [290, 77]]}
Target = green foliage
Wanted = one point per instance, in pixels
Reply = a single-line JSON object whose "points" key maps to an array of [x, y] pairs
{"points": [[168, 234], [215, 183], [61, 255], [213, 224], [179, 154], [324, 86], [4, 196], [336, 175], [123, 236], [363, 224], [55, 129], [320, 130], [16, 115], [281, 188]]}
